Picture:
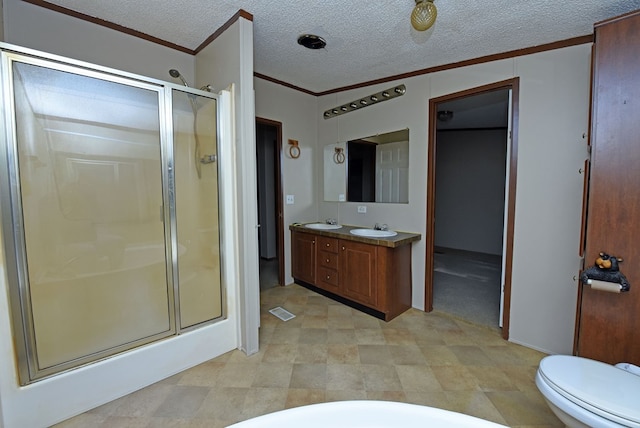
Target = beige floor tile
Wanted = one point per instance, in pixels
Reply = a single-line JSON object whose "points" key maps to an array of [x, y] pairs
{"points": [[428, 398], [340, 322], [260, 401], [223, 404], [343, 354], [284, 336], [280, 353], [237, 374], [455, 378], [347, 377], [381, 378], [145, 402], [370, 336], [315, 321], [303, 397], [471, 355], [491, 378], [399, 396], [312, 354], [313, 335], [518, 408], [407, 354], [474, 403], [398, 336], [87, 419], [418, 379], [332, 352], [341, 335], [125, 422], [205, 374], [375, 354], [344, 395], [439, 355], [273, 375], [182, 402], [309, 376]]}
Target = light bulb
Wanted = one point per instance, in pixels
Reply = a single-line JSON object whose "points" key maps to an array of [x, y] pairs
{"points": [[423, 15]]}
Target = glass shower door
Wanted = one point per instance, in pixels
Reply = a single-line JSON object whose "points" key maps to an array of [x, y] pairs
{"points": [[94, 277], [196, 182]]}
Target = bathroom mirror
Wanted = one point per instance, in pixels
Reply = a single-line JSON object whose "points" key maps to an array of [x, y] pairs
{"points": [[369, 169]]}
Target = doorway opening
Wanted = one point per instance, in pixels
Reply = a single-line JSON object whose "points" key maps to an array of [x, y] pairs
{"points": [[471, 203], [270, 218]]}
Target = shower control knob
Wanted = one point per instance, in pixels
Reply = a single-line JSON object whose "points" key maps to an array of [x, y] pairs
{"points": [[208, 159]]}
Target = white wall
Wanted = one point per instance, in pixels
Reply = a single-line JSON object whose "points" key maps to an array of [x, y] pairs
{"points": [[228, 62], [549, 189], [297, 113], [48, 401], [38, 28], [470, 189]]}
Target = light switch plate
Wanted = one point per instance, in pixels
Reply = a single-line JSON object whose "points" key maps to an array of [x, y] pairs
{"points": [[290, 199], [362, 209]]}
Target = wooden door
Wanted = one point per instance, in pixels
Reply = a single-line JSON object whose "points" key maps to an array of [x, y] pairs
{"points": [[303, 255], [358, 272], [608, 326]]}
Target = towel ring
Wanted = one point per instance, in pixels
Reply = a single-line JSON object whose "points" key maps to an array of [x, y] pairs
{"points": [[294, 149], [338, 156]]}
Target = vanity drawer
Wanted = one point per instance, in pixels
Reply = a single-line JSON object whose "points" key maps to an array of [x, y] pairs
{"points": [[328, 276], [327, 259], [327, 244]]}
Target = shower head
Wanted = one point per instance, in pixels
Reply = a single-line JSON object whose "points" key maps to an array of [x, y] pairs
{"points": [[176, 74]]}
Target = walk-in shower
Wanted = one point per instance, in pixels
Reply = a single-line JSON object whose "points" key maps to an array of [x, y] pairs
{"points": [[110, 228], [204, 159]]}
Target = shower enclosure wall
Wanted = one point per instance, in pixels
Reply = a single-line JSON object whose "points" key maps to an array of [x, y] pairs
{"points": [[109, 205]]}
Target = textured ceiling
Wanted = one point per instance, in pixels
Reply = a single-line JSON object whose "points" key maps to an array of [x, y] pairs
{"points": [[366, 40]]}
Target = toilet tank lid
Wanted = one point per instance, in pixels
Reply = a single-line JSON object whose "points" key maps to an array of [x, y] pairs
{"points": [[606, 388]]}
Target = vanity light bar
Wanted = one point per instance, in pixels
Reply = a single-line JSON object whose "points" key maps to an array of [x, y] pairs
{"points": [[378, 97]]}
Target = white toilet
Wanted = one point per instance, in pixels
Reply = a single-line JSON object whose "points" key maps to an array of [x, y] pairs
{"points": [[588, 393]]}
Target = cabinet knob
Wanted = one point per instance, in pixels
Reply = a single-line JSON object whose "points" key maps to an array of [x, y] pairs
{"points": [[343, 248], [327, 260], [328, 245], [313, 242], [328, 277]]}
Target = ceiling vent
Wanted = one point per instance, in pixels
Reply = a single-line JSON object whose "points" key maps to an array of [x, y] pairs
{"points": [[311, 41]]}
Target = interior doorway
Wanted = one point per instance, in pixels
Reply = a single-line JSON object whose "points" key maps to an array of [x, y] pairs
{"points": [[270, 218], [471, 201]]}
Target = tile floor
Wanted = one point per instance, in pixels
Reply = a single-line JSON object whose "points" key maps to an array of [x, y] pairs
{"points": [[332, 352]]}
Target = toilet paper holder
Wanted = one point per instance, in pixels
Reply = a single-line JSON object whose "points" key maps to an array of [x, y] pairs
{"points": [[605, 275]]}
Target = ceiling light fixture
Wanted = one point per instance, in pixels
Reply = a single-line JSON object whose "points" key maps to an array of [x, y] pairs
{"points": [[445, 115], [311, 41], [372, 99], [423, 15]]}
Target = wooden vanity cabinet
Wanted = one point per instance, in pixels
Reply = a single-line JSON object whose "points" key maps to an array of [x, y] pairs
{"points": [[328, 275], [372, 278], [303, 263], [358, 268]]}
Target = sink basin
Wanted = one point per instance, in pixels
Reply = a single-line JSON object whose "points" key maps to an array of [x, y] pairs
{"points": [[373, 233], [322, 226]]}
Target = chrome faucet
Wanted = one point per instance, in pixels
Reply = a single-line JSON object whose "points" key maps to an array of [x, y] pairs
{"points": [[332, 221], [378, 226]]}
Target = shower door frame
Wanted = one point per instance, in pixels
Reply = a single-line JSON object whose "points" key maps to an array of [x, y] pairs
{"points": [[12, 210]]}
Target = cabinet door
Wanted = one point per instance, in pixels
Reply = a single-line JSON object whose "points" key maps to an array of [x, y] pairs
{"points": [[303, 257], [358, 272], [608, 323]]}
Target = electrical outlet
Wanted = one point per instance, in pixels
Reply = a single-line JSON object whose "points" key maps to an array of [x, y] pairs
{"points": [[362, 209], [290, 199]]}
